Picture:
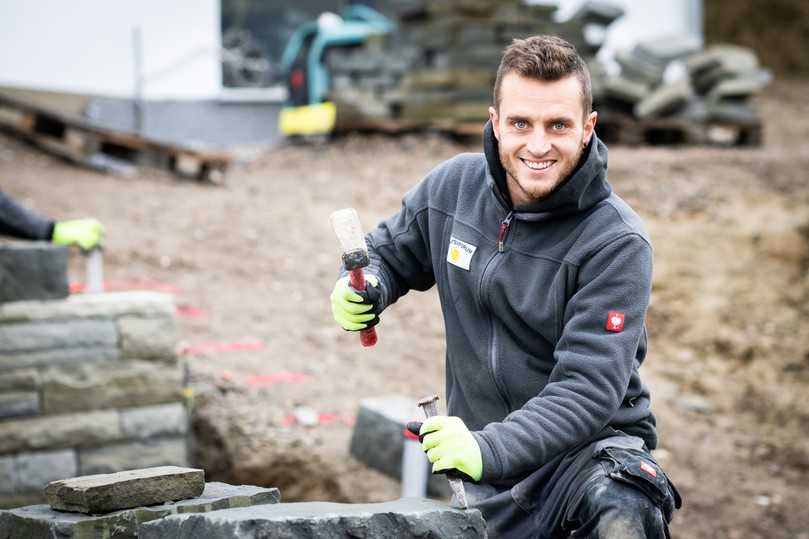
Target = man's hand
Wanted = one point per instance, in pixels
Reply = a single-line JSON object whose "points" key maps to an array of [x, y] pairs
{"points": [[354, 310], [86, 233], [451, 447]]}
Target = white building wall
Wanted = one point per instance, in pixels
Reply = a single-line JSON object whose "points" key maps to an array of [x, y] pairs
{"points": [[86, 46]]}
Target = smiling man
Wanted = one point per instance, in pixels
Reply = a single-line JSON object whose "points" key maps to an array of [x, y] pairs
{"points": [[544, 277]]}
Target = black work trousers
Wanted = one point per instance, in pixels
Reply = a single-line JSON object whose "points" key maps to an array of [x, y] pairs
{"points": [[612, 489]]}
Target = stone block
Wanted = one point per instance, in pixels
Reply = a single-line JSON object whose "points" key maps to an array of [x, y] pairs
{"points": [[223, 496], [378, 437], [664, 100], [637, 68], [404, 518], [18, 403], [59, 431], [8, 475], [35, 470], [665, 49], [118, 385], [134, 454], [625, 90], [150, 421], [148, 338], [46, 343], [32, 271], [105, 493], [739, 88], [42, 522], [19, 379], [109, 305]]}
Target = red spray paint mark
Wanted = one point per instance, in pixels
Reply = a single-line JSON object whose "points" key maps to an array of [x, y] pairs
{"points": [[191, 312], [282, 377], [209, 347], [322, 419]]}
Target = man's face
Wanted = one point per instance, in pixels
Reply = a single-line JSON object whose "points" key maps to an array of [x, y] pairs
{"points": [[542, 132]]}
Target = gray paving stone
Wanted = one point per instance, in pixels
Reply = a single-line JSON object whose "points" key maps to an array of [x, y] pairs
{"points": [[404, 518], [150, 421], [19, 379], [626, 90], [148, 338], [8, 475], [378, 437], [32, 271], [46, 343], [41, 522], [59, 431], [18, 403], [134, 454], [665, 49], [109, 305], [36, 470], [740, 87], [105, 493], [120, 384], [664, 100]]}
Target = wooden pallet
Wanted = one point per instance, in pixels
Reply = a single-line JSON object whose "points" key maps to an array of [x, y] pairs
{"points": [[104, 149]]}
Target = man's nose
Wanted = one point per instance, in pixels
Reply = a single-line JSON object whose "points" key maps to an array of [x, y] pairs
{"points": [[538, 142]]}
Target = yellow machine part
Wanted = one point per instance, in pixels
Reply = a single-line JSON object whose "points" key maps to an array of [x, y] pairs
{"points": [[315, 119]]}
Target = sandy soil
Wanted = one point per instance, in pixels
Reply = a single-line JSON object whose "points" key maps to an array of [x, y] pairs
{"points": [[254, 262]]}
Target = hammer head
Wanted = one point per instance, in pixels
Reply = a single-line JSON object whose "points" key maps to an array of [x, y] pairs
{"points": [[347, 227]]}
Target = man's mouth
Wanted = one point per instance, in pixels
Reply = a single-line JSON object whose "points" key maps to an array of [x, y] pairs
{"points": [[537, 165]]}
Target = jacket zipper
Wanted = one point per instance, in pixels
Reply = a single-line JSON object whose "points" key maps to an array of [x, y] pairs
{"points": [[501, 238]]}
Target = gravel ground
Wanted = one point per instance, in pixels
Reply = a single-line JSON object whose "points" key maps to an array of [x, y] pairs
{"points": [[253, 263]]}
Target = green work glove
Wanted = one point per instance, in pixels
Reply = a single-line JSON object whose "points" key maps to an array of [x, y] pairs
{"points": [[86, 233], [355, 310], [451, 447]]}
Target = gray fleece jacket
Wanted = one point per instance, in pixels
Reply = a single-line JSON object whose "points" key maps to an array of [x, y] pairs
{"points": [[544, 306]]}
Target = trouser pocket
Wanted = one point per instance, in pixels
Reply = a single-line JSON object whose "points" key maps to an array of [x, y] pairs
{"points": [[637, 468]]}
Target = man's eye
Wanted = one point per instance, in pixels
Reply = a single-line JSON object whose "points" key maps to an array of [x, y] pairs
{"points": [[559, 126], [520, 124]]}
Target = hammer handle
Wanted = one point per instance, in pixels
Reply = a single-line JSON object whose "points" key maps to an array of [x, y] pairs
{"points": [[357, 280]]}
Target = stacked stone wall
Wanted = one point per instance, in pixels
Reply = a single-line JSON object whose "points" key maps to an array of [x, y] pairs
{"points": [[88, 384]]}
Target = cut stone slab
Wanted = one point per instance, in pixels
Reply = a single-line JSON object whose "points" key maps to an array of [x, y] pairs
{"points": [[665, 100], [42, 522], [665, 49], [404, 518], [59, 431], [172, 451], [32, 271], [378, 437], [105, 493], [110, 305], [18, 403]]}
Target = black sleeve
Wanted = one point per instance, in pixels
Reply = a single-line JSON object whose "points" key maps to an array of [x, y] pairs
{"points": [[20, 222]]}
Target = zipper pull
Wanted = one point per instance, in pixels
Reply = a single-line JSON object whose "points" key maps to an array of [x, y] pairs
{"points": [[501, 237]]}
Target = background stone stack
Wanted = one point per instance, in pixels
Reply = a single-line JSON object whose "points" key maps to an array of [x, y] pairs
{"points": [[437, 70], [88, 384]]}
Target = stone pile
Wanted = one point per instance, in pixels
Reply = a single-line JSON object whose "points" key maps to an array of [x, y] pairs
{"points": [[437, 70], [116, 505], [178, 504], [88, 384]]}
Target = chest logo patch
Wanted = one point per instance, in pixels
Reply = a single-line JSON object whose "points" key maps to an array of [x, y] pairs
{"points": [[615, 321], [460, 253]]}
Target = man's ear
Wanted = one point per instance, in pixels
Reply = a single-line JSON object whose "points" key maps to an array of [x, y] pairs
{"points": [[495, 122], [589, 127]]}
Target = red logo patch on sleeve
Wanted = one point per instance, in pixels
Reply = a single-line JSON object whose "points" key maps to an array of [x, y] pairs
{"points": [[615, 321], [648, 469]]}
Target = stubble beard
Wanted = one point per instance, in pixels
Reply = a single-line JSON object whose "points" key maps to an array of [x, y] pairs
{"points": [[539, 193]]}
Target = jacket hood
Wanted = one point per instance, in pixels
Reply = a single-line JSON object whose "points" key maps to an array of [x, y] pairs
{"points": [[586, 187]]}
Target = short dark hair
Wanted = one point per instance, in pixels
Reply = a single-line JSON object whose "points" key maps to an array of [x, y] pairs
{"points": [[546, 58]]}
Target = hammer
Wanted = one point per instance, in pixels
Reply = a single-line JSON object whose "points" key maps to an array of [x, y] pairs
{"points": [[428, 405], [347, 227]]}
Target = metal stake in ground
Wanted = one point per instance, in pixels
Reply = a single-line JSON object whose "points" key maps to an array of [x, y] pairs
{"points": [[428, 405], [347, 227]]}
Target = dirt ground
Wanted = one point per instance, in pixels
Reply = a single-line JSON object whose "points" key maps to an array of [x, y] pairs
{"points": [[253, 263]]}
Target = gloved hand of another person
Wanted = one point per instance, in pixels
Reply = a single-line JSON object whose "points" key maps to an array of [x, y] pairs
{"points": [[86, 233], [450, 446], [355, 310]]}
